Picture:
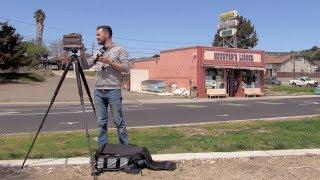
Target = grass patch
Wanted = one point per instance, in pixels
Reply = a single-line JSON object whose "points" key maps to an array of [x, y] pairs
{"points": [[90, 73], [21, 78], [222, 137], [292, 89]]}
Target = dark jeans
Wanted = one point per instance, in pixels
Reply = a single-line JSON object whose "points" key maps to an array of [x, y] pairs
{"points": [[103, 98]]}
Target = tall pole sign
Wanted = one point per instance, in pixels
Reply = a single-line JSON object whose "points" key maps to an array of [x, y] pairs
{"points": [[228, 28]]}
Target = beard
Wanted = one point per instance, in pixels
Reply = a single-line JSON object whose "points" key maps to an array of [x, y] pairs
{"points": [[100, 42]]}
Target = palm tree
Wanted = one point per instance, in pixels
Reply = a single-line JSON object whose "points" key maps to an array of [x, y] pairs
{"points": [[39, 16]]}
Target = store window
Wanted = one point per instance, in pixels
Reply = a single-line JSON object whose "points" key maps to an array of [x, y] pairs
{"points": [[214, 79], [250, 78]]}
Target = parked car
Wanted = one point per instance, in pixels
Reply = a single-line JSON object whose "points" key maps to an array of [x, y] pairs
{"points": [[272, 81], [304, 81]]}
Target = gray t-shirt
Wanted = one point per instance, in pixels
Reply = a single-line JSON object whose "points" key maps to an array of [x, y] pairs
{"points": [[107, 76]]}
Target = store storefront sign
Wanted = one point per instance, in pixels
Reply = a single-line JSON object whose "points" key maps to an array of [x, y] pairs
{"points": [[228, 15], [231, 56]]}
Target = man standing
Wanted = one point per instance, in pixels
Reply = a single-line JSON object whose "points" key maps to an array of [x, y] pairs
{"points": [[113, 60]]}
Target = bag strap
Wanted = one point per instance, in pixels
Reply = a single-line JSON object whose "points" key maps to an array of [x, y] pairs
{"points": [[118, 163]]}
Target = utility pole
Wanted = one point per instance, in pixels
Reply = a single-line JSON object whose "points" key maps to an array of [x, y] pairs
{"points": [[92, 49], [295, 56], [235, 43], [294, 67]]}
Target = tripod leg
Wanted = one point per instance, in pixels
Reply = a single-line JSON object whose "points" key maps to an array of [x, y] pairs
{"points": [[86, 87], [45, 116], [84, 115]]}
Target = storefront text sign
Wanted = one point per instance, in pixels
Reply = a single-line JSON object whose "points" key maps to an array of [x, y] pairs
{"points": [[228, 24], [232, 56]]}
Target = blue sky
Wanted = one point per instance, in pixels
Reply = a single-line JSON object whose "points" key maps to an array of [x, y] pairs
{"points": [[145, 27]]}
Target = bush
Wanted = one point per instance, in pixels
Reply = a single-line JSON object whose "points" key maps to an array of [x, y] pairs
{"points": [[21, 78]]}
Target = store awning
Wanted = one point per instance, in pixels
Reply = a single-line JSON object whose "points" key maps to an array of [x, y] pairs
{"points": [[235, 67]]}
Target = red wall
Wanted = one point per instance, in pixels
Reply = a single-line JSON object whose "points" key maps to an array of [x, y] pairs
{"points": [[174, 66]]}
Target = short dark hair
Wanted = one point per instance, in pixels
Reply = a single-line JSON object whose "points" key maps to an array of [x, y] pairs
{"points": [[106, 29]]}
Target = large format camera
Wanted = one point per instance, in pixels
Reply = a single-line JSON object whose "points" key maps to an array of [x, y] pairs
{"points": [[72, 42]]}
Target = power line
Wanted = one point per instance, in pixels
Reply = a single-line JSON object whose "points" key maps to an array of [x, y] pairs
{"points": [[121, 38], [131, 52]]}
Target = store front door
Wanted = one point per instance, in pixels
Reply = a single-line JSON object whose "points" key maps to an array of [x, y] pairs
{"points": [[233, 76]]}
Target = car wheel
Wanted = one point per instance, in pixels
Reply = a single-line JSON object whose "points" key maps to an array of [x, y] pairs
{"points": [[308, 85], [294, 84]]}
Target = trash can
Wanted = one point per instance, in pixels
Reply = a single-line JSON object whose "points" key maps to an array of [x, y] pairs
{"points": [[193, 92], [317, 90]]}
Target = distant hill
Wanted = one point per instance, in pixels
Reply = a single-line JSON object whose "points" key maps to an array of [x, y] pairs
{"points": [[312, 54]]}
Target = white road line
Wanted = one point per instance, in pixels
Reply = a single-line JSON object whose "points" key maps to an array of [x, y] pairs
{"points": [[66, 112], [223, 115], [52, 108], [234, 104], [138, 106], [271, 103], [308, 103], [8, 113], [191, 106], [68, 123], [127, 109], [31, 114]]}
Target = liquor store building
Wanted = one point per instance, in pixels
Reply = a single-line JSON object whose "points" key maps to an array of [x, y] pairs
{"points": [[212, 71]]}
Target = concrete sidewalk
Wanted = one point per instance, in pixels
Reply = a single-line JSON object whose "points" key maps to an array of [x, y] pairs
{"points": [[169, 157]]}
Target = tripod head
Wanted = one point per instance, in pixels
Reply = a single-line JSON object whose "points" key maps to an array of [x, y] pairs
{"points": [[74, 56]]}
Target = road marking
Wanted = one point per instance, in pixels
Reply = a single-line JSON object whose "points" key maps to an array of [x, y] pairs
{"points": [[127, 109], [52, 108], [137, 106], [223, 115], [271, 103], [68, 123], [30, 114], [190, 106], [234, 104], [308, 103], [8, 113]]}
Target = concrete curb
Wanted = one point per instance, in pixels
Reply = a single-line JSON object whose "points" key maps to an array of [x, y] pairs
{"points": [[169, 157], [166, 101]]}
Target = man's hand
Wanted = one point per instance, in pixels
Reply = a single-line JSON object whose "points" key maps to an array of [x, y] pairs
{"points": [[105, 59]]}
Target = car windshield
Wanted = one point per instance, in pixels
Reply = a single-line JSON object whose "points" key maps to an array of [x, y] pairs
{"points": [[308, 79]]}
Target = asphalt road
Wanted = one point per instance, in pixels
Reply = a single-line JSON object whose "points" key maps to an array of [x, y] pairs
{"points": [[26, 119]]}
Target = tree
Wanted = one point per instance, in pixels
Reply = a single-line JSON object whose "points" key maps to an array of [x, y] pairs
{"points": [[155, 56], [316, 56], [16, 53], [12, 49], [314, 48], [56, 50], [39, 16], [246, 35], [35, 52]]}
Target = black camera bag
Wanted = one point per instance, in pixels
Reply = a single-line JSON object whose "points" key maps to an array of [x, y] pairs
{"points": [[129, 158]]}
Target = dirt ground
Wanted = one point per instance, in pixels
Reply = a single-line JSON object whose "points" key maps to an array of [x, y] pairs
{"points": [[284, 167], [43, 91]]}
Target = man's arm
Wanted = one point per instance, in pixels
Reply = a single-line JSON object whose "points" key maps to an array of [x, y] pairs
{"points": [[122, 65]]}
